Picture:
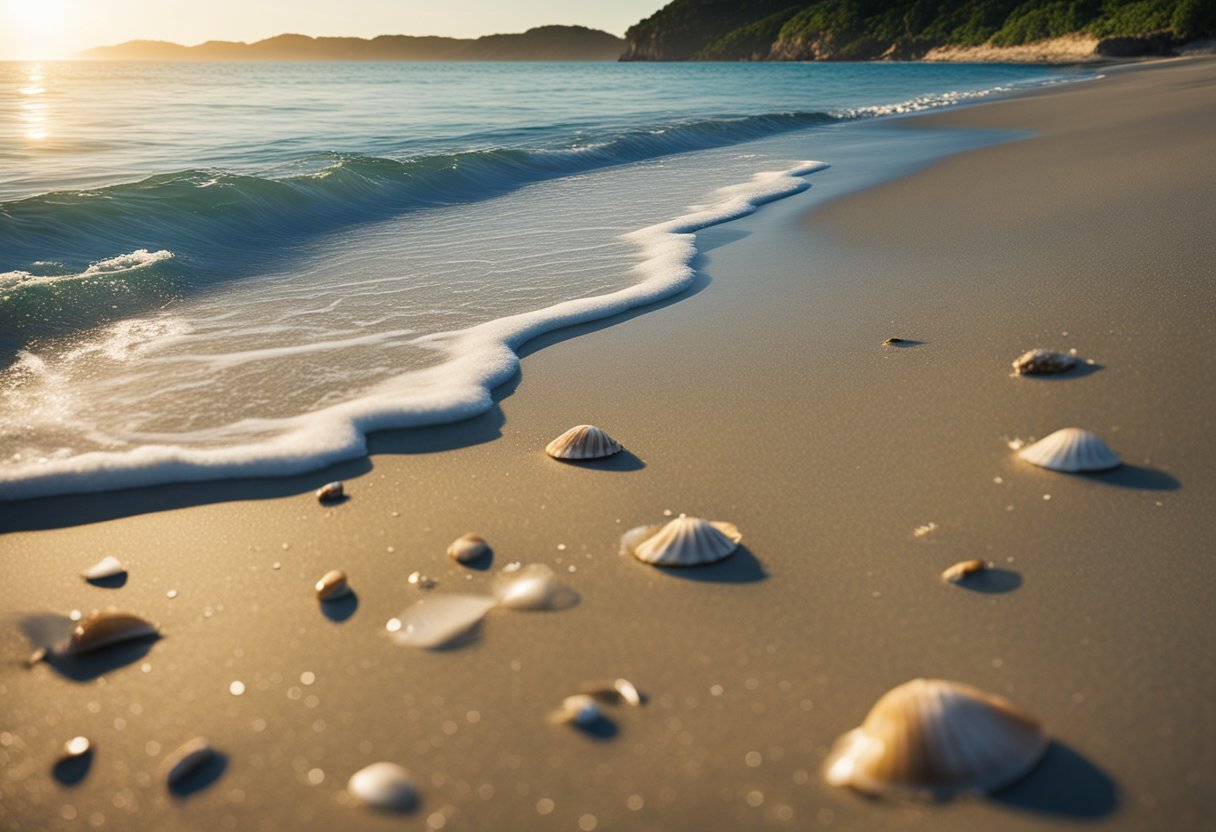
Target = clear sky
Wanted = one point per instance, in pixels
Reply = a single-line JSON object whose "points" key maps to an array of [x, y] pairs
{"points": [[43, 29]]}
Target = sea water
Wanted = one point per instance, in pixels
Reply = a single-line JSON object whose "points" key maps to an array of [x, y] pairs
{"points": [[223, 270]]}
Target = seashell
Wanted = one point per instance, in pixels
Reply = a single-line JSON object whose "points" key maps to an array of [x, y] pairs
{"points": [[332, 585], [930, 738], [107, 567], [1071, 450], [583, 442], [1043, 362], [331, 492], [579, 710], [468, 548], [534, 587], [186, 760], [962, 571], [685, 541], [439, 620], [614, 692], [76, 747], [103, 629], [384, 786], [894, 342]]}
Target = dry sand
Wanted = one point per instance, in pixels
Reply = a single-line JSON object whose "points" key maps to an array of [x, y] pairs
{"points": [[764, 397]]}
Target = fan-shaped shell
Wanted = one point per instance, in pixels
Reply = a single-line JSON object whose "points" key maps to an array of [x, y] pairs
{"points": [[930, 738], [1071, 450], [384, 786], [102, 629], [1043, 362], [583, 442], [685, 541]]}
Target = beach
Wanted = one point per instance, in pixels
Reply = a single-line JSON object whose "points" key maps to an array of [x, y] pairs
{"points": [[764, 396]]}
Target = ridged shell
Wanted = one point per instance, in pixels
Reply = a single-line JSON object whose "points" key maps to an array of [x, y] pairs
{"points": [[685, 541], [468, 548], [930, 738], [1071, 450], [332, 585], [107, 567], [186, 759], [962, 571], [384, 786], [102, 629], [583, 442], [1043, 362]]}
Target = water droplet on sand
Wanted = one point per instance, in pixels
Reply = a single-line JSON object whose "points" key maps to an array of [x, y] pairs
{"points": [[534, 587]]}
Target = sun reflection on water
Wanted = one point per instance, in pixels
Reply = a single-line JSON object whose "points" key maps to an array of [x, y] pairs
{"points": [[34, 110]]}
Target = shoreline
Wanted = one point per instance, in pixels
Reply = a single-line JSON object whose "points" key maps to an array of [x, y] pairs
{"points": [[765, 398]]}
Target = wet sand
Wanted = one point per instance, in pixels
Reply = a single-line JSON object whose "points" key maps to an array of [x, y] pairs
{"points": [[763, 397]]}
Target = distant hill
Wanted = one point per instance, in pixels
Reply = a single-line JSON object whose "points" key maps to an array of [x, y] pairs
{"points": [[544, 43], [775, 30]]}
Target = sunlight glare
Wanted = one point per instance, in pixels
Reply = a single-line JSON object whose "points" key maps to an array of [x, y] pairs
{"points": [[35, 27]]}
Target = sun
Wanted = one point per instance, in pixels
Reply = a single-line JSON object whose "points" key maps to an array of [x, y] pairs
{"points": [[34, 14], [33, 28]]}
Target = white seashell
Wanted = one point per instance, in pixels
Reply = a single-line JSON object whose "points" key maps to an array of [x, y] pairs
{"points": [[961, 571], [930, 738], [332, 585], [534, 587], [103, 629], [1043, 362], [76, 747], [185, 760], [331, 492], [579, 710], [107, 567], [384, 786], [1071, 450], [439, 620], [583, 442], [468, 548], [685, 541]]}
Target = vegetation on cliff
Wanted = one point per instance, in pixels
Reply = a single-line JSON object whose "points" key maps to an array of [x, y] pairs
{"points": [[868, 29]]}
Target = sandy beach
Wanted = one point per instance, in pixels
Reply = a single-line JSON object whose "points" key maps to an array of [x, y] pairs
{"points": [[855, 471]]}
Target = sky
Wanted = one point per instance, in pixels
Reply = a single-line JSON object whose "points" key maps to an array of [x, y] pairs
{"points": [[49, 29]]}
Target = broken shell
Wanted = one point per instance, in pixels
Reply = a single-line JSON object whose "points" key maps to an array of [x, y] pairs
{"points": [[468, 548], [614, 692], [439, 620], [685, 541], [332, 586], [1043, 362], [930, 738], [76, 747], [579, 710], [331, 492], [384, 786], [102, 629], [964, 570], [534, 587], [186, 760], [1071, 450], [583, 442], [107, 567]]}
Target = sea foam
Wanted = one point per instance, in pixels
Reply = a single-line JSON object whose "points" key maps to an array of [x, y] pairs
{"points": [[479, 359]]}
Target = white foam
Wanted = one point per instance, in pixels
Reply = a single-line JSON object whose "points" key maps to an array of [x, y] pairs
{"points": [[480, 358], [137, 259]]}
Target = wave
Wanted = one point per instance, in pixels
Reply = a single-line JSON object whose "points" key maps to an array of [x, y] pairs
{"points": [[479, 359]]}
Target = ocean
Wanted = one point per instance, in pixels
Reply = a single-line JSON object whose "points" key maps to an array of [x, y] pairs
{"points": [[229, 270]]}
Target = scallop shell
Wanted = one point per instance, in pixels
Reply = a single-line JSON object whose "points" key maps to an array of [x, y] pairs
{"points": [[384, 786], [962, 571], [107, 567], [685, 541], [331, 492], [332, 585], [1071, 450], [579, 710], [468, 548], [186, 759], [1043, 362], [583, 442], [103, 629], [930, 738]]}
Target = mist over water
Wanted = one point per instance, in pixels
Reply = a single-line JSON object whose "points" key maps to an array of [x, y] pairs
{"points": [[225, 270]]}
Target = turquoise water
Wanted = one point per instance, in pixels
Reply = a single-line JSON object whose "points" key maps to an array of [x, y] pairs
{"points": [[213, 270]]}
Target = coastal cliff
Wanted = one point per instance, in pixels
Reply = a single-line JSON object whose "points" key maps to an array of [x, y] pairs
{"points": [[858, 30]]}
